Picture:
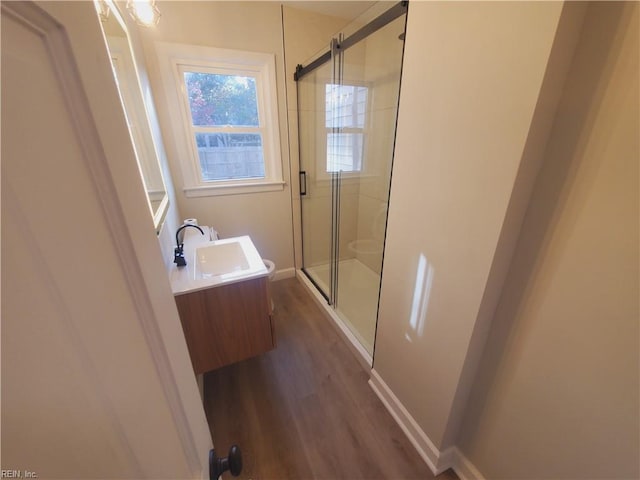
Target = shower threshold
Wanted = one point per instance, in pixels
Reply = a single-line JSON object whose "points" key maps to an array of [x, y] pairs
{"points": [[357, 302]]}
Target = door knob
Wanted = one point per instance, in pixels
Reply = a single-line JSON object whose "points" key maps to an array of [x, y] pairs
{"points": [[233, 463]]}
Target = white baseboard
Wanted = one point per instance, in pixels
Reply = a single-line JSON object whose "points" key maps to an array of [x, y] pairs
{"points": [[464, 468], [284, 273], [437, 461]]}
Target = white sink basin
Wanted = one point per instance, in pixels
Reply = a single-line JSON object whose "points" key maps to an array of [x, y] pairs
{"points": [[216, 263], [220, 259]]}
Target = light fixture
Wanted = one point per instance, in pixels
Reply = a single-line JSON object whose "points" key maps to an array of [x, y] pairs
{"points": [[144, 12]]}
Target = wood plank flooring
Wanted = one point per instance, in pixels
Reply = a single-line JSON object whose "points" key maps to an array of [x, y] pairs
{"points": [[305, 410]]}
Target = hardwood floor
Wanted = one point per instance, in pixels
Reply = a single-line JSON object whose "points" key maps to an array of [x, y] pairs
{"points": [[305, 410]]}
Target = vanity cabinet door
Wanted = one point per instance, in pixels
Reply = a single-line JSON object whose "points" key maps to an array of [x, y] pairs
{"points": [[226, 324]]}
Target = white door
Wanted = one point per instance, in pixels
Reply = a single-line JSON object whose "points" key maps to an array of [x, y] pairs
{"points": [[96, 378]]}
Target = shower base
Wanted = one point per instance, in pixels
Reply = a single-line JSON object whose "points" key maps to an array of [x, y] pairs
{"points": [[357, 299]]}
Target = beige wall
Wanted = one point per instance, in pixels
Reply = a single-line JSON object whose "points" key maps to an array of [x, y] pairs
{"points": [[556, 394], [472, 77], [250, 26]]}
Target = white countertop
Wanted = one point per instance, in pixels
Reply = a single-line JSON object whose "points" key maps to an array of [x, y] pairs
{"points": [[185, 279]]}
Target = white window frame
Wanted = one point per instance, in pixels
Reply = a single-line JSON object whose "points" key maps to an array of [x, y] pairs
{"points": [[322, 175], [350, 130], [174, 59]]}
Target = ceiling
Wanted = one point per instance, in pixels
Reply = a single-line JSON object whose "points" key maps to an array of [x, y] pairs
{"points": [[343, 9]]}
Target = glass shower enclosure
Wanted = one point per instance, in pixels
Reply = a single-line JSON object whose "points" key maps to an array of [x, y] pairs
{"points": [[347, 109]]}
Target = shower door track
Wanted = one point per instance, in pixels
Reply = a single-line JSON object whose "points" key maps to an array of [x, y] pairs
{"points": [[315, 284], [377, 23]]}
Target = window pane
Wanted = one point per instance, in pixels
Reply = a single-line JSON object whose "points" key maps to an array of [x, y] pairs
{"points": [[219, 100], [226, 156], [345, 106], [344, 152]]}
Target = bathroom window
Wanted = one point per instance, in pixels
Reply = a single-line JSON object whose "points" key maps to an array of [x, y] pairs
{"points": [[345, 119], [227, 123]]}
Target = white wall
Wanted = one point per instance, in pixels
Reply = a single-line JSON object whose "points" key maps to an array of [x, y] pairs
{"points": [[556, 394], [251, 26], [470, 98]]}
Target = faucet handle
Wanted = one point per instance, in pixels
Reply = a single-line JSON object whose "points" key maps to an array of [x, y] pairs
{"points": [[178, 256], [178, 252]]}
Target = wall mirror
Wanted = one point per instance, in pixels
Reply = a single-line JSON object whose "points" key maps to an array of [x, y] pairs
{"points": [[127, 79]]}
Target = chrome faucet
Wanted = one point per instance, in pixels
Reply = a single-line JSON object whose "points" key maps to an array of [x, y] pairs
{"points": [[178, 252]]}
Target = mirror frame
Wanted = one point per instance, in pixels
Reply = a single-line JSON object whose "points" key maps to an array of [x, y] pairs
{"points": [[140, 112]]}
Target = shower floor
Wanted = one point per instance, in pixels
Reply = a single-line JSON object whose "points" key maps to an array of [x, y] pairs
{"points": [[357, 302]]}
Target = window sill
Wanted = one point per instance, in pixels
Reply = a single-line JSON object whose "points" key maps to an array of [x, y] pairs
{"points": [[232, 189]]}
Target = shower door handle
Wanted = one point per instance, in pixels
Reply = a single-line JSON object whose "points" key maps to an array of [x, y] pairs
{"points": [[303, 182]]}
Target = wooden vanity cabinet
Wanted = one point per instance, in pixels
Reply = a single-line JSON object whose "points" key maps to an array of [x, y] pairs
{"points": [[226, 324]]}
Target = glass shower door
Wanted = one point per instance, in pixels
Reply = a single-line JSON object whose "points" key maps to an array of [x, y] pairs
{"points": [[347, 107], [316, 192], [361, 151]]}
